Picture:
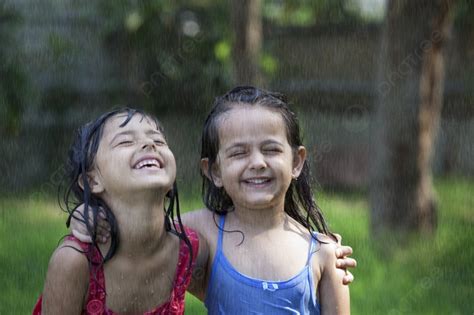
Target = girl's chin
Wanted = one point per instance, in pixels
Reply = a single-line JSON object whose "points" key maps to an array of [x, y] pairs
{"points": [[151, 187], [259, 203]]}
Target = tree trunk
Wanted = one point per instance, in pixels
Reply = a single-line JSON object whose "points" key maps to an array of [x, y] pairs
{"points": [[410, 91], [246, 18]]}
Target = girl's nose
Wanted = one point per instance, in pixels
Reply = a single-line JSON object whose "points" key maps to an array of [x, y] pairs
{"points": [[148, 144], [257, 161]]}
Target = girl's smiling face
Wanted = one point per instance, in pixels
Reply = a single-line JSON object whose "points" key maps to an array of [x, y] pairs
{"points": [[132, 158], [255, 163]]}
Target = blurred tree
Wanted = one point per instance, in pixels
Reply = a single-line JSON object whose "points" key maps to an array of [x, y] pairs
{"points": [[410, 93], [246, 16]]}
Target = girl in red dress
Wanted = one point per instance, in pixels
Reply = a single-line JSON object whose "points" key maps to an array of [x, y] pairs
{"points": [[121, 163]]}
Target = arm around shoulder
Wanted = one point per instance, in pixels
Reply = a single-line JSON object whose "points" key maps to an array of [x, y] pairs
{"points": [[199, 220], [66, 282], [334, 296], [202, 221], [197, 287]]}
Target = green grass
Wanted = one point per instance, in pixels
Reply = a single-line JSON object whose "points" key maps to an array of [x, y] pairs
{"points": [[409, 275]]}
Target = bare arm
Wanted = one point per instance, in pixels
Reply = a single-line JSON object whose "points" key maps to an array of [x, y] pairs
{"points": [[334, 296], [66, 282], [197, 287], [198, 284]]}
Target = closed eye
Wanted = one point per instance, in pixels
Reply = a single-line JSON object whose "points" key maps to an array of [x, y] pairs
{"points": [[237, 154], [160, 142], [272, 150], [125, 142]]}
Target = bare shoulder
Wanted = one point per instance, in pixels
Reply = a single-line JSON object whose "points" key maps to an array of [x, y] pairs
{"points": [[69, 255], [67, 280], [333, 295], [326, 251], [325, 238], [68, 264]]}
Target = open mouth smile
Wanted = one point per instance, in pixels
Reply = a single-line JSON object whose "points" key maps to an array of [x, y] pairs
{"points": [[258, 181], [147, 163]]}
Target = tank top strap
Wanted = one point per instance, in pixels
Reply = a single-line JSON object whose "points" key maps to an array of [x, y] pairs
{"points": [[221, 233], [312, 288], [311, 248], [95, 303]]}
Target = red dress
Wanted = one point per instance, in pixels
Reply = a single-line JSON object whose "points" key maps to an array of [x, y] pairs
{"points": [[96, 304]]}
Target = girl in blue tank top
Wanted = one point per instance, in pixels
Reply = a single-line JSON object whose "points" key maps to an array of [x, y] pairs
{"points": [[268, 258]]}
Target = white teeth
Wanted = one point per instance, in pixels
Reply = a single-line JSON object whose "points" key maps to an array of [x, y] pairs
{"points": [[149, 162], [257, 181]]}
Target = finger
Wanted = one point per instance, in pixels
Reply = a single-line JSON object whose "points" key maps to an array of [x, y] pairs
{"points": [[102, 235], [100, 220], [102, 213], [338, 238], [102, 231], [344, 263], [103, 224], [348, 278], [82, 237], [342, 251]]}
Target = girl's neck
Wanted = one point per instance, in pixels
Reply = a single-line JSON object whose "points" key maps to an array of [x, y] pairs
{"points": [[260, 219], [141, 225]]}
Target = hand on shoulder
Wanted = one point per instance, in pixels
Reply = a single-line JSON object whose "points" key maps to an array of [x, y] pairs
{"points": [[328, 256], [343, 262], [334, 296]]}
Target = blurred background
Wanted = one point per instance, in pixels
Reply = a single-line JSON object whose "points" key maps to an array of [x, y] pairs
{"points": [[383, 89]]}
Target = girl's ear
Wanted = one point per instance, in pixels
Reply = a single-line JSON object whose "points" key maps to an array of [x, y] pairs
{"points": [[215, 172], [94, 182], [299, 158]]}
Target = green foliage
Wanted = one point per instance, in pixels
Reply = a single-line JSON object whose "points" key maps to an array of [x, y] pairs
{"points": [[309, 13], [269, 64], [222, 50], [422, 275], [463, 14]]}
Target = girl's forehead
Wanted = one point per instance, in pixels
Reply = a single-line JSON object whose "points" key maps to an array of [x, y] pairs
{"points": [[251, 115], [248, 123], [118, 123]]}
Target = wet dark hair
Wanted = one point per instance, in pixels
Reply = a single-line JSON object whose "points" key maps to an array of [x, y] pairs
{"points": [[299, 201], [80, 161]]}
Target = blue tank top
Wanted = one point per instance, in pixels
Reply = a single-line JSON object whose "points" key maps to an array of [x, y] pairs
{"points": [[230, 292]]}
